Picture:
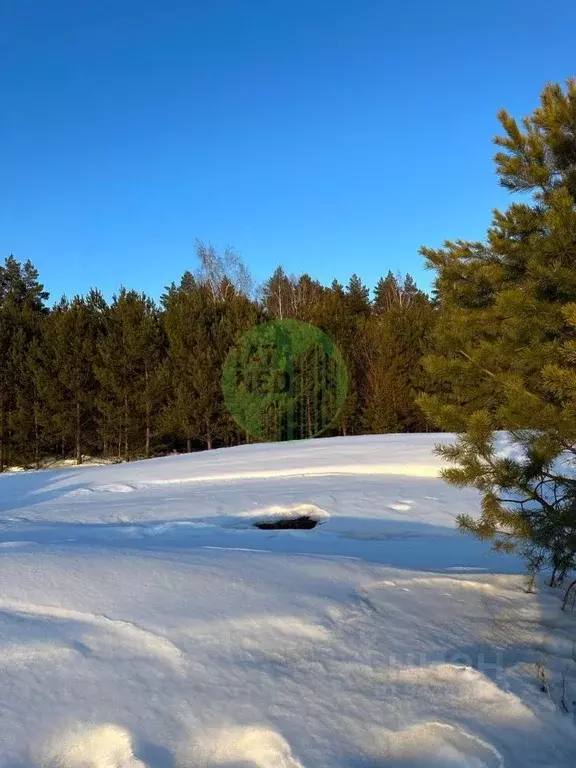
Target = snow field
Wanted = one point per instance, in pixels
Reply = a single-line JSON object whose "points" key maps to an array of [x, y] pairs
{"points": [[144, 621]]}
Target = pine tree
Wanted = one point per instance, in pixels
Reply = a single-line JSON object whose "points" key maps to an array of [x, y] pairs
{"points": [[130, 380], [63, 372], [385, 293], [306, 298], [393, 342], [22, 308], [277, 295], [357, 297], [202, 320], [505, 343], [25, 419], [128, 371], [332, 313]]}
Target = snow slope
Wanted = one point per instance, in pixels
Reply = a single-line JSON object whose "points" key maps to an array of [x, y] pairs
{"points": [[145, 621]]}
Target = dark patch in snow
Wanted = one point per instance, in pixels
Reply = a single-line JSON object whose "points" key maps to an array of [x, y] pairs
{"points": [[305, 523]]}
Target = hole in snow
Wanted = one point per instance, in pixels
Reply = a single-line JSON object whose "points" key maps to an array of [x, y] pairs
{"points": [[305, 522], [286, 517]]}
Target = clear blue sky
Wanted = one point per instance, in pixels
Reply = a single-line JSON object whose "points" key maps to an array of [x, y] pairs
{"points": [[330, 136]]}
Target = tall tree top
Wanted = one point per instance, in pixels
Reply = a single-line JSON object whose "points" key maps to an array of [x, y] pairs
{"points": [[540, 156], [357, 296], [19, 285], [396, 291], [532, 243], [385, 293]]}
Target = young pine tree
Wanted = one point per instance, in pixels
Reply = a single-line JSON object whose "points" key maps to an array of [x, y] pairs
{"points": [[506, 344]]}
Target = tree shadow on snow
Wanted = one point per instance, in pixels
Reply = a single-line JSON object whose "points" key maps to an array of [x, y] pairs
{"points": [[404, 544], [26, 489], [154, 755]]}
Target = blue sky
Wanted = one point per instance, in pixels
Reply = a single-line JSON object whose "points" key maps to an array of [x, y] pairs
{"points": [[330, 136]]}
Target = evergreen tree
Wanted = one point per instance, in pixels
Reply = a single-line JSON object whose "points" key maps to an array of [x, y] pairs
{"points": [[277, 295], [128, 370], [25, 420], [385, 294], [202, 321], [357, 297], [131, 380], [393, 344], [22, 308], [20, 288], [314, 391], [64, 374], [306, 298], [327, 309], [505, 343]]}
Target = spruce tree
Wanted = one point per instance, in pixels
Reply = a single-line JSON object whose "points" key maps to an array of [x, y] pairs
{"points": [[506, 341]]}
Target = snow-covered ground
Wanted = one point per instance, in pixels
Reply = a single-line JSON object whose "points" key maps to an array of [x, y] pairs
{"points": [[145, 620]]}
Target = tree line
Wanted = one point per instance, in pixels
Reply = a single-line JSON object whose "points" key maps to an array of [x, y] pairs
{"points": [[133, 378]]}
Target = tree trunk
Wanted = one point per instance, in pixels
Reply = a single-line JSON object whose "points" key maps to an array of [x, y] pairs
{"points": [[553, 577], [189, 444], [78, 446], [146, 377], [3, 439], [126, 451], [569, 591], [36, 436]]}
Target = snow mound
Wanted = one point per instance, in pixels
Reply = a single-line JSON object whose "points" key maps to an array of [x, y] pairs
{"points": [[104, 746], [106, 488], [256, 747], [438, 745], [287, 511], [99, 632], [114, 488]]}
